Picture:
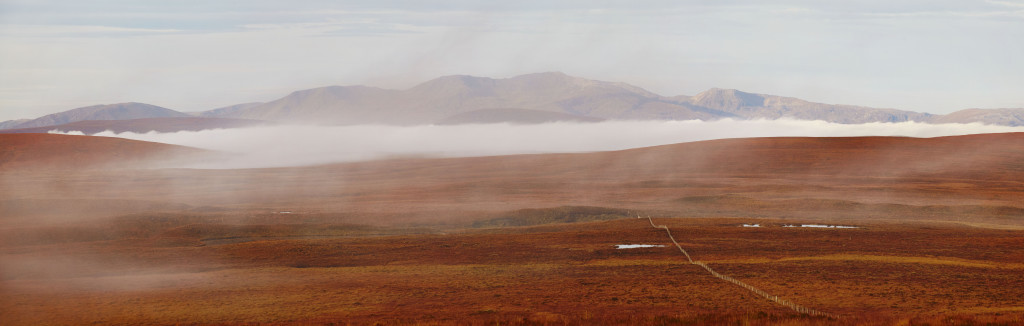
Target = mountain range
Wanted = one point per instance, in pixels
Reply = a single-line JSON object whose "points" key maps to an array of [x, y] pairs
{"points": [[144, 125], [531, 98], [120, 111]]}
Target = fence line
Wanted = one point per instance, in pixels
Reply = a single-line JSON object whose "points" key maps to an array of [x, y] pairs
{"points": [[670, 237], [766, 295]]}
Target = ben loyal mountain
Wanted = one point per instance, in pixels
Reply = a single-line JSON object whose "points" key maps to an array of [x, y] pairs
{"points": [[444, 97], [531, 98]]}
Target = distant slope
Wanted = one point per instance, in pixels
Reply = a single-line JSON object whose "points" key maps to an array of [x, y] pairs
{"points": [[90, 127], [970, 156], [65, 152], [228, 110], [760, 106], [983, 156], [330, 105], [514, 116], [12, 123], [120, 111], [1005, 117], [891, 178]]}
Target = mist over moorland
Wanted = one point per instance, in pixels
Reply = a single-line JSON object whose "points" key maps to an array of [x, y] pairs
{"points": [[295, 145], [451, 162]]}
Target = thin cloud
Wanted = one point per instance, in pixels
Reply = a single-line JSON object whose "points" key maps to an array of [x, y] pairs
{"points": [[1007, 3], [81, 30]]}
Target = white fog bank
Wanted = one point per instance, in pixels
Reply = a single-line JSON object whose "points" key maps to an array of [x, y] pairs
{"points": [[294, 145]]}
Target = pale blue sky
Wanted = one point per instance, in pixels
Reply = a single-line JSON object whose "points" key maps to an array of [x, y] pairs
{"points": [[933, 56]]}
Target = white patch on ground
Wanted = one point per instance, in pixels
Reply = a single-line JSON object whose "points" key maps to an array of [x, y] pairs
{"points": [[633, 246], [751, 225], [824, 226]]}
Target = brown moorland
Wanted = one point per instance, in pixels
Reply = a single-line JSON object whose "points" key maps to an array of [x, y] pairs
{"points": [[530, 239], [550, 274], [49, 153], [976, 179]]}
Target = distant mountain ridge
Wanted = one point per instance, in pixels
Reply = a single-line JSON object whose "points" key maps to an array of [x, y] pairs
{"points": [[12, 123], [513, 116], [120, 111], [174, 124], [1006, 117], [531, 98], [441, 99], [759, 106], [126, 117], [228, 109], [448, 96]]}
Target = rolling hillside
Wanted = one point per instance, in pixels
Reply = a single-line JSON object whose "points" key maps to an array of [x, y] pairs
{"points": [[20, 152], [888, 178]]}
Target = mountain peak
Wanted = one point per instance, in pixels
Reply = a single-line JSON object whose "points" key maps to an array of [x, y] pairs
{"points": [[719, 98], [455, 85], [547, 75], [551, 77]]}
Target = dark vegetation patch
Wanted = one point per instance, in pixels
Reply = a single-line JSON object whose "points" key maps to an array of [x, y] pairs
{"points": [[735, 205], [187, 229], [562, 214]]}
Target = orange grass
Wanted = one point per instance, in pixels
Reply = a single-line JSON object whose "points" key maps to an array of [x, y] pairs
{"points": [[551, 274]]}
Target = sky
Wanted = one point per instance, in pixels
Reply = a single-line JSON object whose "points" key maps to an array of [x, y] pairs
{"points": [[934, 56]]}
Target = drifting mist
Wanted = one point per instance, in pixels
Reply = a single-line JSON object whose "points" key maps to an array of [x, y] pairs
{"points": [[293, 145]]}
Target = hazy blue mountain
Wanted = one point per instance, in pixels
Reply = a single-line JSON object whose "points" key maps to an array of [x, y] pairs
{"points": [[448, 96], [12, 123], [1005, 117], [228, 109], [172, 124], [120, 111], [760, 106], [513, 116]]}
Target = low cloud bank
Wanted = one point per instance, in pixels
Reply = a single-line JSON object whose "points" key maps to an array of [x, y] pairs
{"points": [[293, 145]]}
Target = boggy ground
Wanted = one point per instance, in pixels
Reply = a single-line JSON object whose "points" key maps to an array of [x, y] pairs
{"points": [[880, 273]]}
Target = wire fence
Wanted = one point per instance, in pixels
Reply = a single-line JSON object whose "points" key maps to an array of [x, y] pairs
{"points": [[766, 295]]}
